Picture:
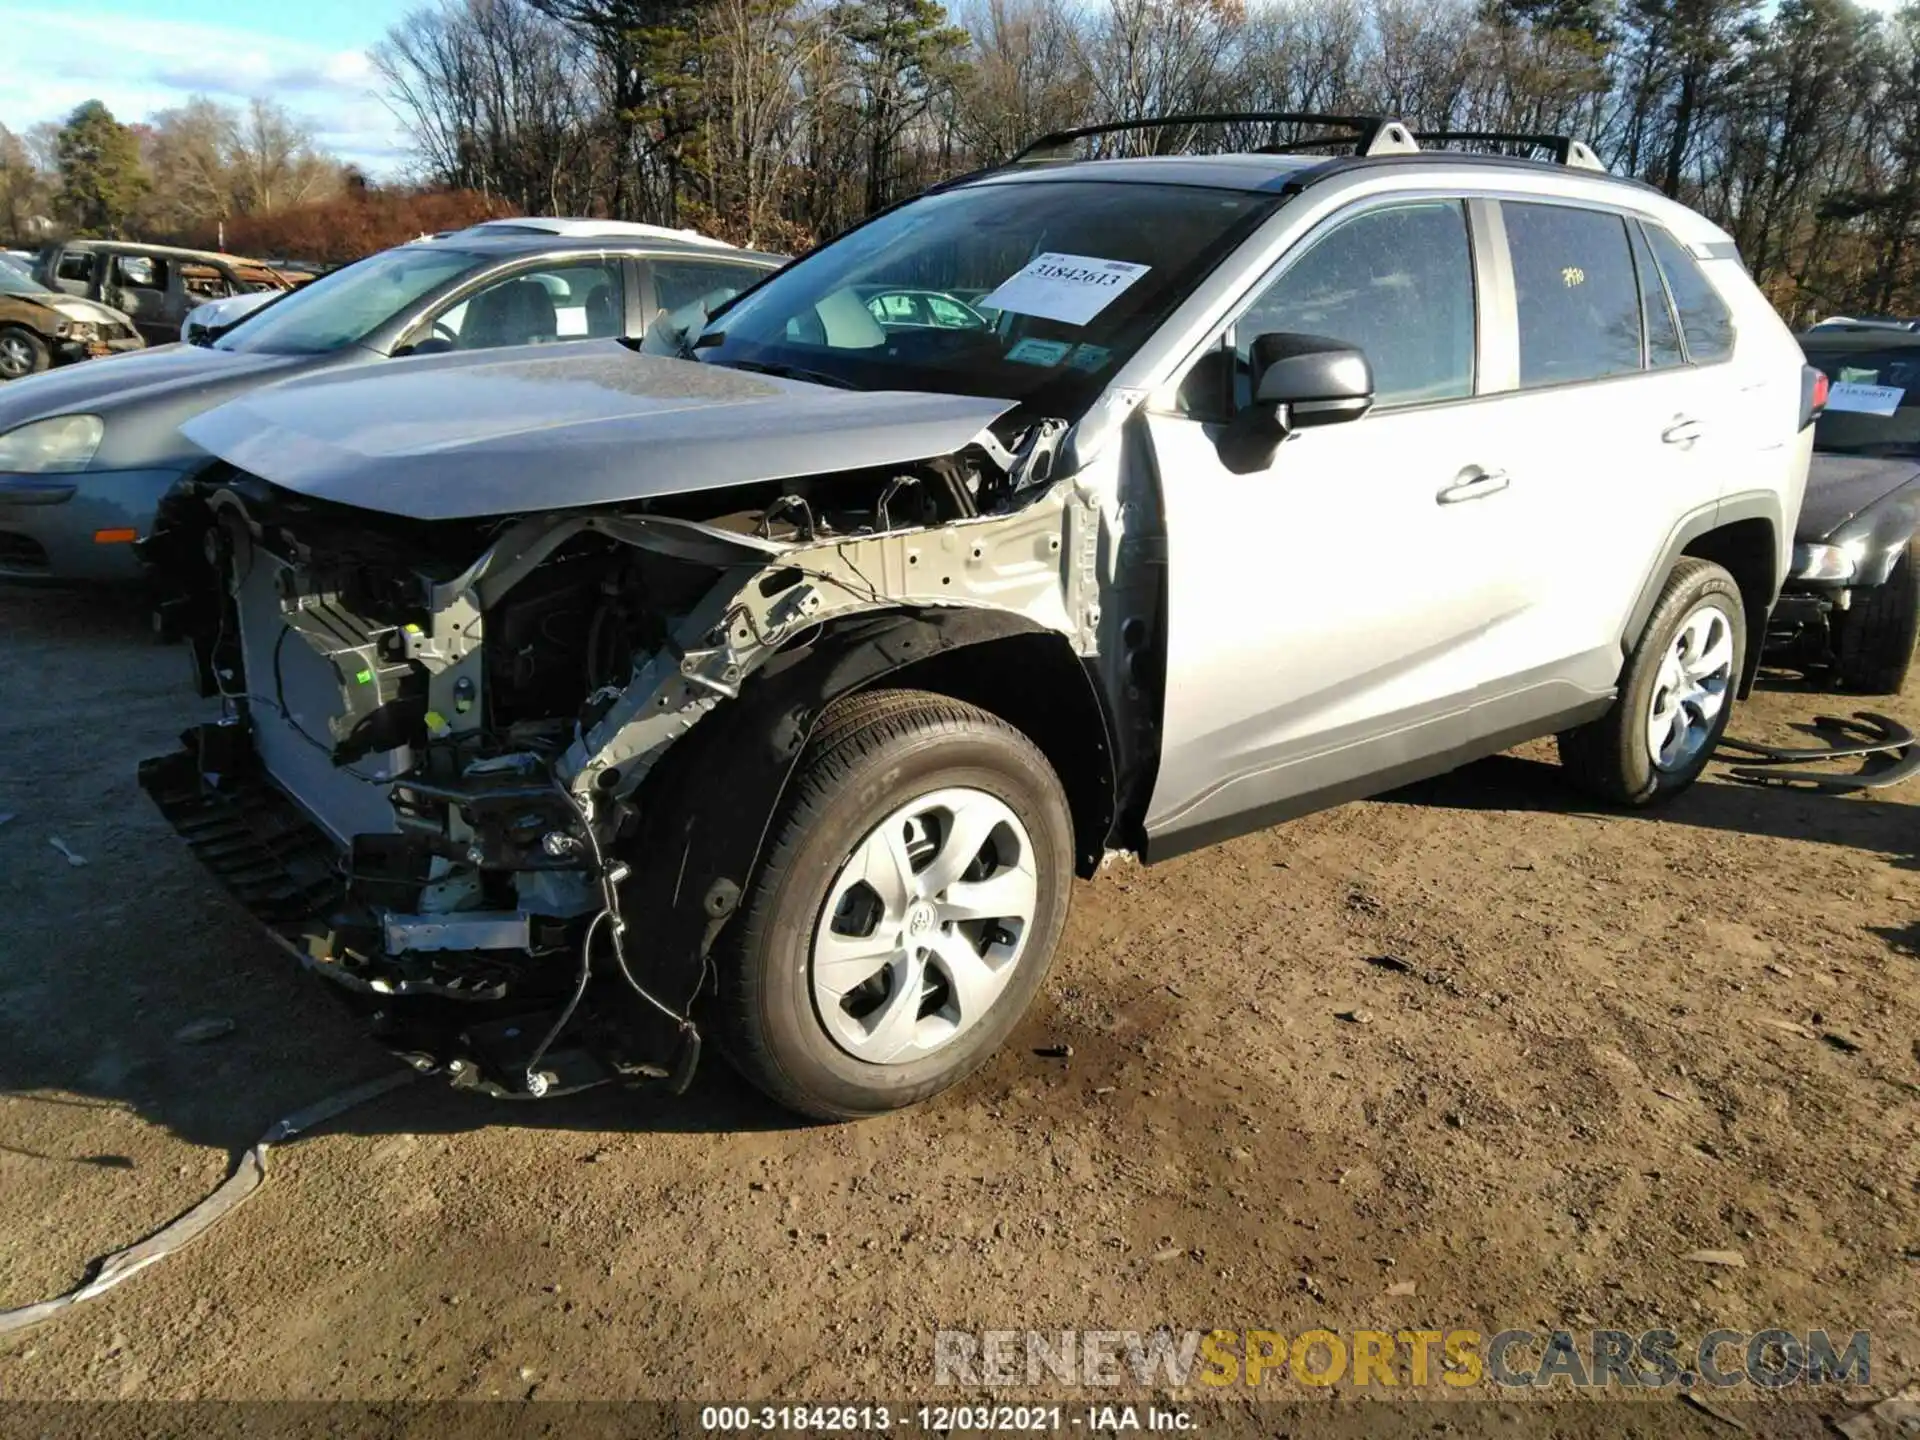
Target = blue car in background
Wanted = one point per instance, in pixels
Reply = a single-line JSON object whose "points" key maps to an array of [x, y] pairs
{"points": [[87, 452]]}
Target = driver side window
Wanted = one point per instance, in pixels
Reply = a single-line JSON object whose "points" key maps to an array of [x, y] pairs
{"points": [[1397, 282]]}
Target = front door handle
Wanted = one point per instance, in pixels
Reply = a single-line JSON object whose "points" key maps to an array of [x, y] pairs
{"points": [[1683, 430], [1473, 483]]}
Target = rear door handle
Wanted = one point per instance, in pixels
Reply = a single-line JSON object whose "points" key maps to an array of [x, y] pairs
{"points": [[1683, 430], [1473, 483]]}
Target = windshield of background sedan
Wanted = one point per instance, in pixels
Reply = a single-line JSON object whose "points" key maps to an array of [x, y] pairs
{"points": [[350, 304], [1875, 405], [1034, 291]]}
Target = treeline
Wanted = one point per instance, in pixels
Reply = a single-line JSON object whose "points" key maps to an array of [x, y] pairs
{"points": [[182, 171], [780, 122], [254, 181]]}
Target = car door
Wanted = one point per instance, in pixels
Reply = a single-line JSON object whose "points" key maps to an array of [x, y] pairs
{"points": [[74, 273], [1608, 458], [1723, 417], [138, 286], [1328, 617]]}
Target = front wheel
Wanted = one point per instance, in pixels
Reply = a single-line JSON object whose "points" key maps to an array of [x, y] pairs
{"points": [[22, 353], [913, 890], [1875, 637], [1675, 694]]}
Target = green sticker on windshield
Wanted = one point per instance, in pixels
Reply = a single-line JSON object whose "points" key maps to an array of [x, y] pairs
{"points": [[1039, 352]]}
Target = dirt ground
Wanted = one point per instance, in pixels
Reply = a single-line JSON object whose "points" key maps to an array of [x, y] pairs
{"points": [[1578, 1047]]}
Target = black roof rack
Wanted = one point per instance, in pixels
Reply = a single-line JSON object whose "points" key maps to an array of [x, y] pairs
{"points": [[1365, 134], [1562, 149]]}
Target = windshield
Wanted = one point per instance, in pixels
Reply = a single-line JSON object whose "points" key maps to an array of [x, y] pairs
{"points": [[12, 282], [1874, 406], [1031, 291], [347, 306]]}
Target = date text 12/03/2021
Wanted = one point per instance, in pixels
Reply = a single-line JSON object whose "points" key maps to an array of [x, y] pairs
{"points": [[947, 1419]]}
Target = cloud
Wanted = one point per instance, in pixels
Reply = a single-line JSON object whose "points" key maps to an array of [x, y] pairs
{"points": [[138, 66]]}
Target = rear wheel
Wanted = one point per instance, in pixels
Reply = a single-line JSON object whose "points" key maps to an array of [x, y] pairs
{"points": [[1875, 637], [913, 890], [22, 353], [1675, 695]]}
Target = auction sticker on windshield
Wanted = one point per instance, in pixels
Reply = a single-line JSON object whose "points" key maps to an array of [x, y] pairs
{"points": [[1865, 399], [1069, 288]]}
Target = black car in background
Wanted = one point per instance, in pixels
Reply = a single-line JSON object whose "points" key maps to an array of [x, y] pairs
{"points": [[1851, 606], [87, 452]]}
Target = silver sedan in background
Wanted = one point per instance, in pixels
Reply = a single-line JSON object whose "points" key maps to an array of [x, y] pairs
{"points": [[87, 452]]}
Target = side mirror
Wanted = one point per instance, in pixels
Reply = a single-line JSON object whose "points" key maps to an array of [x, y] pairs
{"points": [[432, 345], [1320, 381], [1299, 381]]}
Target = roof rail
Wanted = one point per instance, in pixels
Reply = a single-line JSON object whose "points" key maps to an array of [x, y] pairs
{"points": [[1562, 149], [1366, 134]]}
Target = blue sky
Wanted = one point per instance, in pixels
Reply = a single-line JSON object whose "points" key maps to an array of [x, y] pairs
{"points": [[140, 56]]}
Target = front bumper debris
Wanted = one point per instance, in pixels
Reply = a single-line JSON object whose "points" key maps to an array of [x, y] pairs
{"points": [[1888, 748], [477, 1015]]}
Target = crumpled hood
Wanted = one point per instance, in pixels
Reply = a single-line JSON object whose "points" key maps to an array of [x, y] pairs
{"points": [[1839, 487], [494, 432]]}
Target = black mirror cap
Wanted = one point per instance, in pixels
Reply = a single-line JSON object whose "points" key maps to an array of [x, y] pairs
{"points": [[1319, 380]]}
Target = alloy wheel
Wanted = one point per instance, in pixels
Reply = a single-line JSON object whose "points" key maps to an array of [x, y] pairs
{"points": [[16, 360], [1691, 689], [924, 926]]}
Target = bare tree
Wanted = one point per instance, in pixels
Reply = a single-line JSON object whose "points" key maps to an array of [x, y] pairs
{"points": [[274, 161]]}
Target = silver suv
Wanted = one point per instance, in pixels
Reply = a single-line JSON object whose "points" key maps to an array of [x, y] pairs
{"points": [[580, 704]]}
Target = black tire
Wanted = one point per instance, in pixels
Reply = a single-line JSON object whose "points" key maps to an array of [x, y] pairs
{"points": [[22, 353], [1608, 757], [868, 756], [1875, 636]]}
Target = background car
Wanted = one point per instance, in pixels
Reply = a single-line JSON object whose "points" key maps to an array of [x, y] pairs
{"points": [[923, 310], [207, 323], [85, 456], [39, 329], [578, 227], [154, 284], [1851, 608]]}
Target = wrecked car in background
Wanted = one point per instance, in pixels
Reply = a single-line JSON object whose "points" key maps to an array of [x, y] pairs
{"points": [[580, 704], [40, 329], [157, 285]]}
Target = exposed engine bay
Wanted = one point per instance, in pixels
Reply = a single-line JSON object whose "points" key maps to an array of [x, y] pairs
{"points": [[471, 770]]}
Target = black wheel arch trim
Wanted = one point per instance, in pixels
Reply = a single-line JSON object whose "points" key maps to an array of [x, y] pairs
{"points": [[707, 808], [1759, 505]]}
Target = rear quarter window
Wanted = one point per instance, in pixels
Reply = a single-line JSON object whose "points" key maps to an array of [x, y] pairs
{"points": [[1705, 319]]}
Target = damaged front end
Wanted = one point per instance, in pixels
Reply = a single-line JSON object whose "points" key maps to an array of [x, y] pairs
{"points": [[501, 779]]}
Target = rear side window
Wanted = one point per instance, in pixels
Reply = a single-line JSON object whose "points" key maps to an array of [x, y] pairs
{"points": [[1396, 282], [681, 282], [1577, 296], [1663, 336], [1704, 317]]}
